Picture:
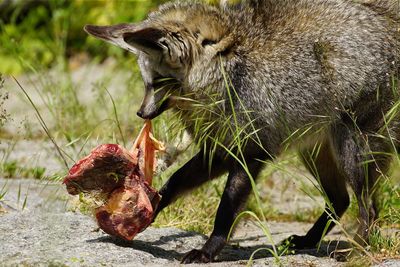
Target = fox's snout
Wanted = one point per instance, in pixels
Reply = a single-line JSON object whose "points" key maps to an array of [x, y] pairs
{"points": [[147, 114], [148, 109], [151, 108]]}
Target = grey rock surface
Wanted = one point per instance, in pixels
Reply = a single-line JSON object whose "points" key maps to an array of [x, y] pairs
{"points": [[43, 232]]}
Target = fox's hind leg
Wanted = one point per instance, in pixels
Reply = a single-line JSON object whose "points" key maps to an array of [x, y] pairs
{"points": [[321, 164], [362, 158], [351, 155]]}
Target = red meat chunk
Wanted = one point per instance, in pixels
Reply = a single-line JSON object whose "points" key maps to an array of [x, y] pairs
{"points": [[125, 177]]}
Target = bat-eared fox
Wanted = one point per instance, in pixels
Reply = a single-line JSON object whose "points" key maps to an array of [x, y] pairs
{"points": [[251, 78]]}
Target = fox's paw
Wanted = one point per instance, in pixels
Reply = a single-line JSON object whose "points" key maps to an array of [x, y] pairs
{"points": [[298, 242], [196, 256], [344, 253]]}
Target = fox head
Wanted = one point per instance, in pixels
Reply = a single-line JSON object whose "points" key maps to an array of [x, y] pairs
{"points": [[172, 45]]}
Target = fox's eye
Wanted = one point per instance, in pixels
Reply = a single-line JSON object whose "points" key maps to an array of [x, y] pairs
{"points": [[206, 42]]}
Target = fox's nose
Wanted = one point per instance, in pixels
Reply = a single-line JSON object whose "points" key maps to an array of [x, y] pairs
{"points": [[140, 113], [144, 114]]}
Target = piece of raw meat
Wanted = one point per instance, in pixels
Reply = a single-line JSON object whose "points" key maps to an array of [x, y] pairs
{"points": [[125, 178]]}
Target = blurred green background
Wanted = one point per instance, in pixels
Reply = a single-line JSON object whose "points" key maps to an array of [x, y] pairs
{"points": [[46, 32], [41, 33]]}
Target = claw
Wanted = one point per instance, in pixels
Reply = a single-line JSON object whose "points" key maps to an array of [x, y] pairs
{"points": [[196, 256]]}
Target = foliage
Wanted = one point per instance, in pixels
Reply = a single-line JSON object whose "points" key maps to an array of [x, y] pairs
{"points": [[13, 169], [4, 116], [52, 31]]}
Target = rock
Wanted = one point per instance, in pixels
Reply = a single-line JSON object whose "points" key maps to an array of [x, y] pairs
{"points": [[44, 238], [43, 233]]}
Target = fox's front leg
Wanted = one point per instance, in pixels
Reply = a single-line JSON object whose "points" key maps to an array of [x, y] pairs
{"points": [[235, 194], [191, 175]]}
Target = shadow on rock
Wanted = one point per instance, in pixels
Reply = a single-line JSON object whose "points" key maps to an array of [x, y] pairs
{"points": [[174, 237], [151, 247], [230, 253], [238, 253]]}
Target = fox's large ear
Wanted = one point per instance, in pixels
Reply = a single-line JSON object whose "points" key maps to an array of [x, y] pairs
{"points": [[113, 34], [148, 40], [131, 37]]}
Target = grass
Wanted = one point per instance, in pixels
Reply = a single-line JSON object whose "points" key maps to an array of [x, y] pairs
{"points": [[194, 211], [385, 239], [3, 191], [77, 126], [13, 169]]}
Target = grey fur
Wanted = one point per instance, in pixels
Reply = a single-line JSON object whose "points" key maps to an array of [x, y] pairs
{"points": [[276, 58], [291, 66]]}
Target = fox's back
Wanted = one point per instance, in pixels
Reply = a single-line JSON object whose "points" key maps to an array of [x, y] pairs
{"points": [[291, 63], [301, 62], [313, 57]]}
